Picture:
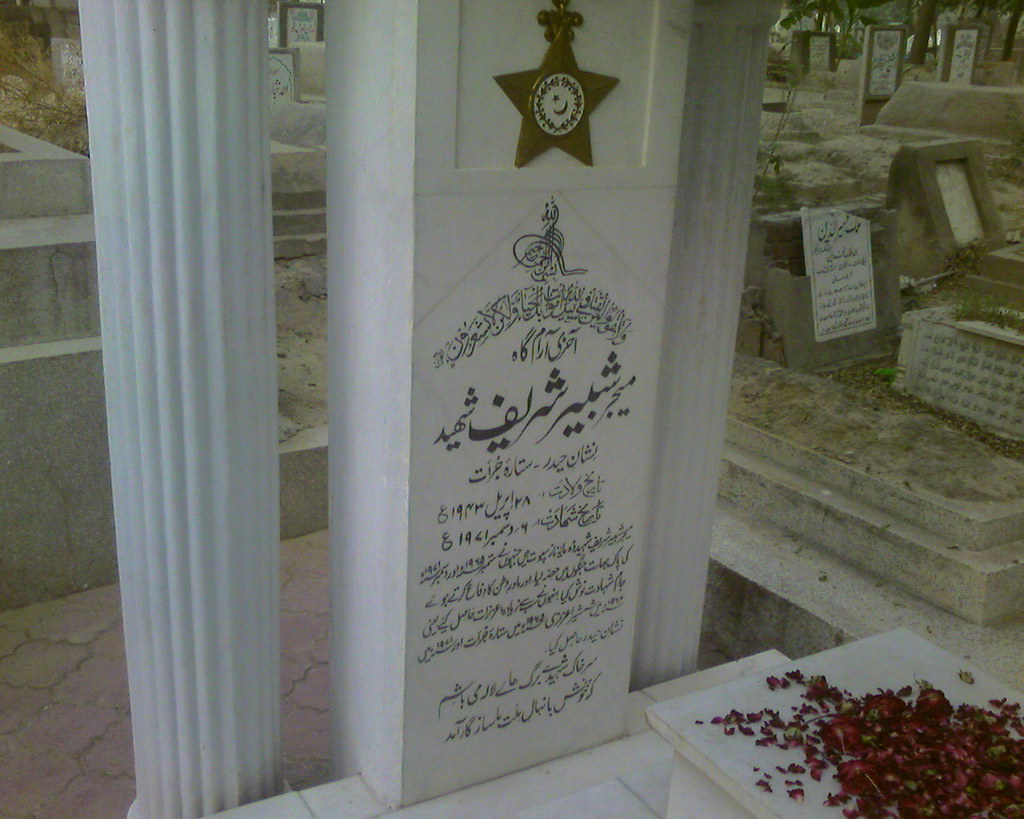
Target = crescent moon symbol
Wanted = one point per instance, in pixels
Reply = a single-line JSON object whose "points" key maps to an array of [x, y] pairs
{"points": [[563, 109]]}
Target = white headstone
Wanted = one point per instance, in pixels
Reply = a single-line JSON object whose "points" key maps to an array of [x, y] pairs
{"points": [[962, 210], [67, 62], [819, 52], [283, 84], [273, 30], [883, 72], [837, 255], [301, 25], [964, 48]]}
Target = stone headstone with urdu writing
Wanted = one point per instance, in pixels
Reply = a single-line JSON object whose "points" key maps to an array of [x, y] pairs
{"points": [[300, 23], [960, 47], [837, 257], [881, 68], [284, 74]]}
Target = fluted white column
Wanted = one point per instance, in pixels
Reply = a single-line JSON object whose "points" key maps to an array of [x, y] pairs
{"points": [[177, 95], [721, 122]]}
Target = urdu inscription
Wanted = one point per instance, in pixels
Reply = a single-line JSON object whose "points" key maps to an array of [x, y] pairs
{"points": [[883, 74], [837, 253], [528, 581], [968, 374]]}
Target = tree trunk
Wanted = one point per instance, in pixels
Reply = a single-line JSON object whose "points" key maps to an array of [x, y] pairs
{"points": [[922, 29], [1011, 29]]}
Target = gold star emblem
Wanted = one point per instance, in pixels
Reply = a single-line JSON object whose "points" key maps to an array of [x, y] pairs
{"points": [[557, 98]]}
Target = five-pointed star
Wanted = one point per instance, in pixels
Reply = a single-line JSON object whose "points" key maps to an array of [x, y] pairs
{"points": [[519, 88]]}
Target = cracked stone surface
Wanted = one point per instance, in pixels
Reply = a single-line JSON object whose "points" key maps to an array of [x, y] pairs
{"points": [[65, 723]]}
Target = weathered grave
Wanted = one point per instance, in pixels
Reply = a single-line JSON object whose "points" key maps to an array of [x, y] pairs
{"points": [[813, 51], [273, 31], [881, 68], [967, 367], [959, 50], [67, 61], [954, 110], [845, 307], [300, 23], [942, 200], [1001, 275], [284, 74]]}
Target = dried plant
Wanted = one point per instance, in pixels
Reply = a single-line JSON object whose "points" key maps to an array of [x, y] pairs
{"points": [[32, 100]]}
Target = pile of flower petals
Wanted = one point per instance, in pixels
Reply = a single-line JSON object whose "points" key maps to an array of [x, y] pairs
{"points": [[893, 754]]}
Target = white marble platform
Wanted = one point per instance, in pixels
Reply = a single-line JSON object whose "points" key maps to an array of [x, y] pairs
{"points": [[625, 779], [714, 774]]}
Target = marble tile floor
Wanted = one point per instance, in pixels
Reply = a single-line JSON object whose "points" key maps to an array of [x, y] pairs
{"points": [[65, 726]]}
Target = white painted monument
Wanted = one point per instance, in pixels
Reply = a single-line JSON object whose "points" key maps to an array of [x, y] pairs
{"points": [[502, 285], [837, 256]]}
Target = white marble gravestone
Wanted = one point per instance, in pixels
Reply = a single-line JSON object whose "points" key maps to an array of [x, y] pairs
{"points": [[837, 256], [819, 52], [486, 624], [885, 60], [301, 23], [284, 71], [958, 53], [67, 61]]}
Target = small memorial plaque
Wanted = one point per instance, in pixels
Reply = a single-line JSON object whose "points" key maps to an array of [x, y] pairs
{"points": [[283, 68], [819, 52], [837, 255], [301, 23], [886, 52], [961, 67], [955, 189], [67, 62]]}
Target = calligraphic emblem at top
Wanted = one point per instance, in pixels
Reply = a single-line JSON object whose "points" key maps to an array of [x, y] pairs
{"points": [[556, 99]]}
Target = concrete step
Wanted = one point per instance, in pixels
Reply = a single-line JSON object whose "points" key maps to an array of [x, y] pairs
{"points": [[40, 179], [1004, 291], [770, 589], [48, 289], [964, 523], [298, 222], [291, 247], [980, 586], [1004, 265]]}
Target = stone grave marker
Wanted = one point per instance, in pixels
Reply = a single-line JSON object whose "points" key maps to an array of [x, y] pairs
{"points": [[941, 195], [1001, 275], [814, 51], [273, 31], [512, 219], [967, 367], [837, 258], [67, 62], [840, 301], [300, 23], [958, 53], [881, 68], [284, 75]]}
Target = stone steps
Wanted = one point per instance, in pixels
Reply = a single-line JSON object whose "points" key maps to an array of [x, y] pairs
{"points": [[966, 524], [981, 586], [299, 201], [40, 179], [48, 289], [768, 588]]}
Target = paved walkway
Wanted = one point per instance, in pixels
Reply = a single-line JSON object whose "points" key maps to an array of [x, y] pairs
{"points": [[65, 726]]}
